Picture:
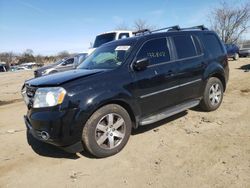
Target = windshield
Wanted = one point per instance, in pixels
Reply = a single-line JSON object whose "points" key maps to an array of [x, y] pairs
{"points": [[57, 62], [102, 39], [107, 57]]}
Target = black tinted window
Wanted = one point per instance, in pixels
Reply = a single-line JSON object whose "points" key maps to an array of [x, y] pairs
{"points": [[104, 38], [184, 46], [155, 50], [212, 44], [69, 61]]}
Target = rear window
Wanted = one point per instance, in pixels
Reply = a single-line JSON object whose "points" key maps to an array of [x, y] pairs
{"points": [[102, 39], [184, 46], [213, 45]]}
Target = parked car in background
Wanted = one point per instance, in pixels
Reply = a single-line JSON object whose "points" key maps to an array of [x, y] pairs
{"points": [[62, 65], [21, 68], [29, 65], [108, 37], [245, 50], [232, 51], [3, 67], [127, 83]]}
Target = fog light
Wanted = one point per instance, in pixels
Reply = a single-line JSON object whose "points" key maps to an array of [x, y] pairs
{"points": [[44, 135]]}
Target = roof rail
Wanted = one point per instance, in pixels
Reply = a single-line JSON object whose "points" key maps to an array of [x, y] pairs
{"points": [[201, 27], [175, 27], [144, 31], [172, 28]]}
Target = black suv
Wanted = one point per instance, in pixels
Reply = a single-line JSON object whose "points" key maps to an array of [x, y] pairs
{"points": [[125, 84]]}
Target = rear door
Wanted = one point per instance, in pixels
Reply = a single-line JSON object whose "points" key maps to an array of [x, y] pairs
{"points": [[189, 54], [156, 87]]}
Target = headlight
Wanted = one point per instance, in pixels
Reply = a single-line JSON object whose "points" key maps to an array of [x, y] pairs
{"points": [[48, 97]]}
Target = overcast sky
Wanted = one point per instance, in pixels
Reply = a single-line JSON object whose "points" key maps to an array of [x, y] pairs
{"points": [[51, 26]]}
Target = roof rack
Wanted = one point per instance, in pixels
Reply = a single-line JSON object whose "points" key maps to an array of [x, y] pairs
{"points": [[142, 31], [201, 27], [172, 28], [146, 31]]}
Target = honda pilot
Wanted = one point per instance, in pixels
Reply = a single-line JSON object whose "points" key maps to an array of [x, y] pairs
{"points": [[126, 84]]}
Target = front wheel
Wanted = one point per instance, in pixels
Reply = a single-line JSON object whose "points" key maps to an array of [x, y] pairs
{"points": [[213, 95], [107, 131]]}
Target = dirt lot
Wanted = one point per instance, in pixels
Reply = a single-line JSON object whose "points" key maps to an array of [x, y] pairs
{"points": [[191, 149]]}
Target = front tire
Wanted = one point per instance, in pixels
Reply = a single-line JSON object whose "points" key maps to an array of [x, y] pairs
{"points": [[213, 95], [107, 131]]}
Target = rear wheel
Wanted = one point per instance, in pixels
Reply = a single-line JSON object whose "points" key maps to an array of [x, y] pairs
{"points": [[213, 95], [107, 131]]}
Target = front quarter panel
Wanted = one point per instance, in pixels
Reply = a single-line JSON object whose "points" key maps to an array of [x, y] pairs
{"points": [[88, 95]]}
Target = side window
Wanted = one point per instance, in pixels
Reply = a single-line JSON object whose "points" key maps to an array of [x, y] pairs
{"points": [[69, 61], [184, 46], [197, 45], [155, 50], [212, 44], [123, 35]]}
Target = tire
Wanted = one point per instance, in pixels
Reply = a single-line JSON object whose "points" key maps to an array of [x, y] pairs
{"points": [[107, 131], [236, 56], [213, 95]]}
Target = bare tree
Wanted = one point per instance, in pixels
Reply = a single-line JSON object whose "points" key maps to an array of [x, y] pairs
{"points": [[7, 57], [141, 24], [28, 52], [63, 54], [122, 26], [230, 21]]}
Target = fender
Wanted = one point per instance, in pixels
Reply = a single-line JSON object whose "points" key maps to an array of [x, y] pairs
{"points": [[95, 100]]}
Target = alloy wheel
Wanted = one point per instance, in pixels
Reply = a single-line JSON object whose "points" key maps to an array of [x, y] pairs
{"points": [[215, 94], [110, 131]]}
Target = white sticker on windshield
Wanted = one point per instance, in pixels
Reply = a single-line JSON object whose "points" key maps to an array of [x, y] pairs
{"points": [[123, 48]]}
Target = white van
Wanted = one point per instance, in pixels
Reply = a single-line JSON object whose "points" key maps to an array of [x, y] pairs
{"points": [[108, 37]]}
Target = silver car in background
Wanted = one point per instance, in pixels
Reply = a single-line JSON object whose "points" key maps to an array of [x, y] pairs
{"points": [[62, 65]]}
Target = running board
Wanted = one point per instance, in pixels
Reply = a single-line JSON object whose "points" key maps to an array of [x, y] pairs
{"points": [[169, 112]]}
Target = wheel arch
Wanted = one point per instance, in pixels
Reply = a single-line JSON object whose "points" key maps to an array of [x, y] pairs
{"points": [[221, 78], [216, 70], [126, 106]]}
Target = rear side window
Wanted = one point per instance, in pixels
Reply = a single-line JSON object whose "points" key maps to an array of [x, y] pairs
{"points": [[212, 44], [123, 35], [155, 50], [69, 62], [184, 46]]}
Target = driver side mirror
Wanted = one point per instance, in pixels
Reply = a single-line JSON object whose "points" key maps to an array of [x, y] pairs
{"points": [[141, 64]]}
